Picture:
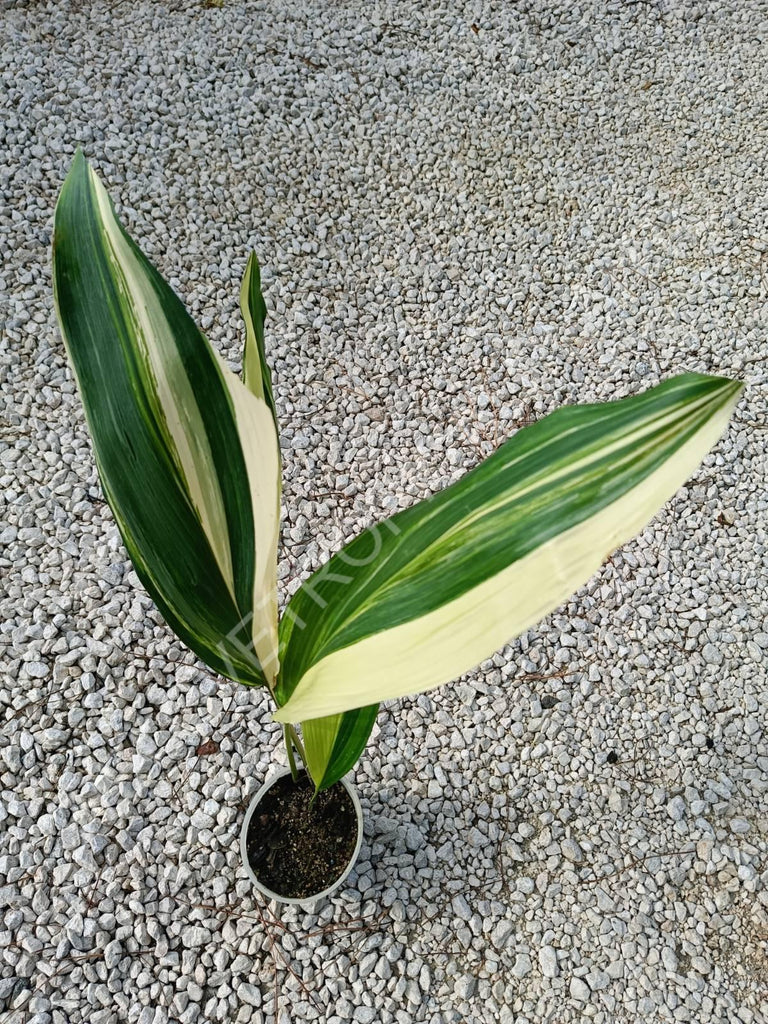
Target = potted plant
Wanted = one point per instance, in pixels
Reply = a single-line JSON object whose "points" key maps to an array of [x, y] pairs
{"points": [[189, 461]]}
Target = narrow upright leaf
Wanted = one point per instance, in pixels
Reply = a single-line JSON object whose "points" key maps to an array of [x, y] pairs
{"points": [[187, 454], [256, 373], [333, 744]]}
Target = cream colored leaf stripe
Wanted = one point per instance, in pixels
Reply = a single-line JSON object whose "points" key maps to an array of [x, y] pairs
{"points": [[188, 455], [439, 587]]}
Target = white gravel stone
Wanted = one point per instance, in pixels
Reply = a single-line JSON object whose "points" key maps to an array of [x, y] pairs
{"points": [[461, 908], [572, 851], [579, 990], [740, 826], [676, 808], [249, 994], [194, 935], [597, 980], [465, 219], [12, 757], [712, 655], [186, 673], [669, 958], [113, 951], [365, 1014], [502, 933], [54, 738], [548, 962], [465, 987], [522, 965], [37, 669]]}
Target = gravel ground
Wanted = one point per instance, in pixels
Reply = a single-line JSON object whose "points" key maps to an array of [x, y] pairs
{"points": [[467, 215]]}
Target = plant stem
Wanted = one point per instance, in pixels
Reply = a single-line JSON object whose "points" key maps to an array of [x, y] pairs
{"points": [[294, 738], [288, 740], [299, 746], [291, 740]]}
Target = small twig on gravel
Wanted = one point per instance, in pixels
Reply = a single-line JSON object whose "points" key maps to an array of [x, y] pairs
{"points": [[271, 924], [355, 924], [205, 748], [532, 677], [44, 700], [311, 64], [636, 862], [69, 962], [274, 949], [498, 858]]}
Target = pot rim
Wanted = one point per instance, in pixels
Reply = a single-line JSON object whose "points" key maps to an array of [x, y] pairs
{"points": [[305, 901]]}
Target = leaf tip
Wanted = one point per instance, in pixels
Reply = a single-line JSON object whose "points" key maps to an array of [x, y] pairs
{"points": [[79, 165]]}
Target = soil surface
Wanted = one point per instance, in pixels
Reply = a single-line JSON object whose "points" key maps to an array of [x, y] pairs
{"points": [[297, 850]]}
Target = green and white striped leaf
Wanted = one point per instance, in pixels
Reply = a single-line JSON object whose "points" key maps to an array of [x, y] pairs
{"points": [[428, 594], [332, 745], [256, 375], [187, 454]]}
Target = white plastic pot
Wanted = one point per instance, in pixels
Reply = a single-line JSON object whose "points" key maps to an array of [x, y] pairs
{"points": [[307, 901]]}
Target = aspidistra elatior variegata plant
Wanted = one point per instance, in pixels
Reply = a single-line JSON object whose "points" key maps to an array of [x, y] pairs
{"points": [[189, 460]]}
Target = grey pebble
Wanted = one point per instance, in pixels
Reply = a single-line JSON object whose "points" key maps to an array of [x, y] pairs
{"points": [[463, 222], [579, 990], [414, 838], [522, 965], [501, 933], [548, 962], [676, 808], [572, 851]]}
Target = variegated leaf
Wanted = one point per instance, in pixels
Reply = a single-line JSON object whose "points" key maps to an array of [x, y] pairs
{"points": [[431, 592], [187, 454]]}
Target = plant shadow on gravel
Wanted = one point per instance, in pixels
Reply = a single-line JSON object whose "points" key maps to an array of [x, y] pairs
{"points": [[261, 915], [55, 961], [488, 877]]}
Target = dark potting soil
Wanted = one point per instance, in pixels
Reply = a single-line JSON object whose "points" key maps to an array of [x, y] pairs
{"points": [[295, 850]]}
